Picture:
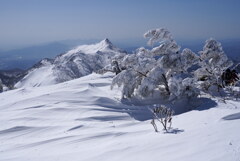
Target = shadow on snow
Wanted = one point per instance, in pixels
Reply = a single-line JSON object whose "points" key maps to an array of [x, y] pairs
{"points": [[141, 111]]}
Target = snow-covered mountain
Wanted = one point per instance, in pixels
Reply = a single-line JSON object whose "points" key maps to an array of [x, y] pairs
{"points": [[83, 120], [78, 62]]}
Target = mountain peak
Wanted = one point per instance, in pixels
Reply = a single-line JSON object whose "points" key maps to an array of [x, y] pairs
{"points": [[106, 42], [102, 46]]}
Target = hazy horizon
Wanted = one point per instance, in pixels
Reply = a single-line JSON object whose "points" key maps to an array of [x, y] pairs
{"points": [[32, 22]]}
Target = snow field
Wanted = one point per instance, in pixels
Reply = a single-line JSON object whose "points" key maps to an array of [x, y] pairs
{"points": [[84, 120]]}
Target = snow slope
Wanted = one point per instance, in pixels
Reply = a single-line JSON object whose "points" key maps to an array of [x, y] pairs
{"points": [[78, 62], [83, 120]]}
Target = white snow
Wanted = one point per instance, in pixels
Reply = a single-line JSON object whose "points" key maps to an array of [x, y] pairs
{"points": [[78, 62], [39, 75], [103, 46], [83, 120]]}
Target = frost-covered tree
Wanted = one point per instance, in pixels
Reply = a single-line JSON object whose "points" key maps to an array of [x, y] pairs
{"points": [[115, 67], [183, 88], [156, 35], [213, 62], [171, 60], [158, 70], [136, 68]]}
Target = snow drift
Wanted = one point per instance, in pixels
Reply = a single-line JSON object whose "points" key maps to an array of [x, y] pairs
{"points": [[83, 120]]}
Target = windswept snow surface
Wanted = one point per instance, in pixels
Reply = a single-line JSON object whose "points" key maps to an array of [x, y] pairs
{"points": [[83, 120]]}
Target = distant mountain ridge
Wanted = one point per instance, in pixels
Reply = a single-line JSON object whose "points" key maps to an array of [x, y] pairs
{"points": [[24, 58], [75, 63]]}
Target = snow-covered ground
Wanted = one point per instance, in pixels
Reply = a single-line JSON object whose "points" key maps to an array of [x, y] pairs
{"points": [[83, 120]]}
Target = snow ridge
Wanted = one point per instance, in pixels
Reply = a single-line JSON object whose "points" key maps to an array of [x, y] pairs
{"points": [[103, 46]]}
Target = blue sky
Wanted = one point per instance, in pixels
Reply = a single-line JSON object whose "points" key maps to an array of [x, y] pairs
{"points": [[26, 22]]}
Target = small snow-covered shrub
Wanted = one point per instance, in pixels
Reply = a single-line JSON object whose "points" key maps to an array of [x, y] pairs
{"points": [[164, 116]]}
